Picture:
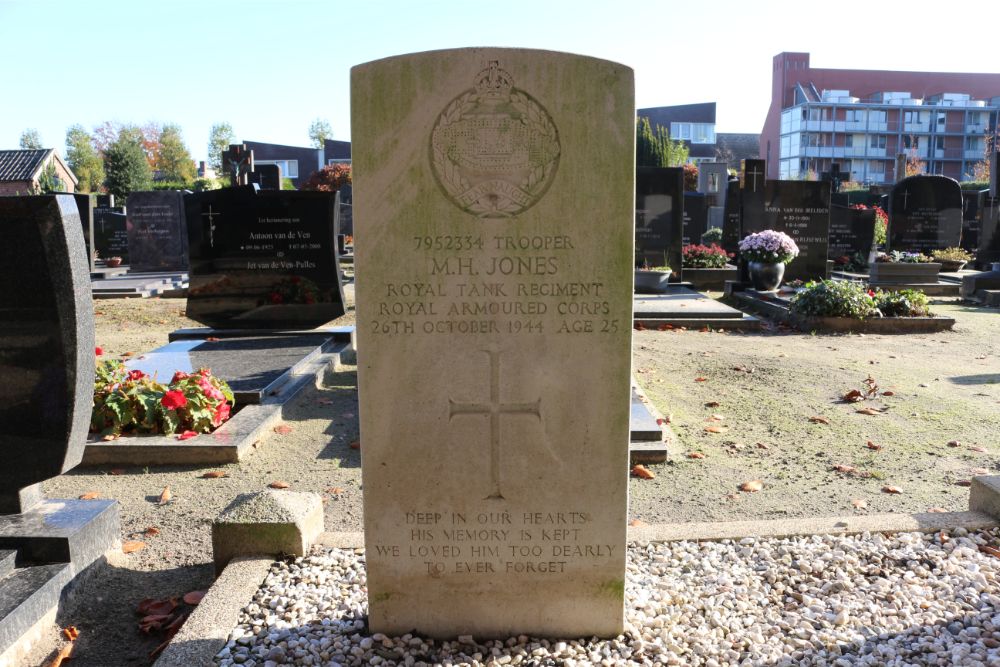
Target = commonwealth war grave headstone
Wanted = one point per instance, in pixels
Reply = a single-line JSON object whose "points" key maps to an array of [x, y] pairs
{"points": [[925, 214], [659, 216], [497, 325], [46, 382], [157, 232]]}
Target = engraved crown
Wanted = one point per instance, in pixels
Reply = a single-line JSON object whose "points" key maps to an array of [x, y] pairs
{"points": [[493, 81]]}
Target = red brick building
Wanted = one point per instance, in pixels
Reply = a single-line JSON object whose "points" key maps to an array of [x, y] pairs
{"points": [[20, 171], [861, 119]]}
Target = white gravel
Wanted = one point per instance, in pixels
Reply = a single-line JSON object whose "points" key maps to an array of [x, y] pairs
{"points": [[905, 599]]}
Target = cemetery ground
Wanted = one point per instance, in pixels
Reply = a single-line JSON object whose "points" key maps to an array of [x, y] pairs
{"points": [[772, 401]]}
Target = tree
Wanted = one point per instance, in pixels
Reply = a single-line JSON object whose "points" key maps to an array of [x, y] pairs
{"points": [[654, 148], [690, 177], [49, 181], [83, 159], [173, 159], [219, 138], [319, 132], [914, 165], [30, 139], [125, 164], [329, 179], [981, 169]]}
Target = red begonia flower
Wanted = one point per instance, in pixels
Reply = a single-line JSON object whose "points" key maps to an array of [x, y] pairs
{"points": [[174, 399]]}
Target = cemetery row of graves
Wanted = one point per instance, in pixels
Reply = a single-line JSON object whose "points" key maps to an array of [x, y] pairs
{"points": [[493, 343]]}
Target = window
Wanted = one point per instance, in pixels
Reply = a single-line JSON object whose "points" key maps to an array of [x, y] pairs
{"points": [[680, 131], [909, 141], [849, 140], [940, 143], [289, 168], [855, 115], [877, 141], [910, 117], [876, 116]]}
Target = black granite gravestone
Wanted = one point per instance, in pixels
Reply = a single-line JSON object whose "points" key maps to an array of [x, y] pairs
{"points": [[346, 219], [267, 176], [105, 201], [263, 259], [852, 233], [800, 209], [157, 234], [659, 216], [925, 214], [46, 386], [971, 217], [989, 233], [85, 207], [695, 217], [753, 178], [110, 233], [732, 223]]}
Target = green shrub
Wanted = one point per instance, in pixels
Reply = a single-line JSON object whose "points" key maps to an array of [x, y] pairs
{"points": [[904, 303], [952, 255], [704, 257], [834, 298]]}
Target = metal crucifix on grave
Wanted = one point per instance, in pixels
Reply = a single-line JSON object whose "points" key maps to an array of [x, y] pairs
{"points": [[211, 225], [495, 409]]}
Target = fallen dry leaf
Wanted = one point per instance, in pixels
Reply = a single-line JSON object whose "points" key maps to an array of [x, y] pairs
{"points": [[701, 379], [127, 354], [637, 522], [819, 420], [132, 546], [356, 444], [639, 326], [964, 482], [335, 490], [761, 445], [65, 653], [888, 393], [993, 551], [868, 411], [717, 418], [853, 396], [977, 448], [642, 472], [90, 495], [695, 455], [872, 445], [752, 486], [151, 606], [187, 435], [937, 510], [712, 404], [859, 503], [891, 489], [954, 443], [71, 633], [279, 485], [283, 429], [165, 495], [213, 474], [213, 339], [152, 530], [117, 471], [840, 467], [194, 597], [716, 429]]}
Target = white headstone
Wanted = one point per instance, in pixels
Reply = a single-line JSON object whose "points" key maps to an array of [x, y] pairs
{"points": [[494, 196]]}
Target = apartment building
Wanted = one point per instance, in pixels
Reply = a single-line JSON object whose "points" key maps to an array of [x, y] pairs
{"points": [[862, 119]]}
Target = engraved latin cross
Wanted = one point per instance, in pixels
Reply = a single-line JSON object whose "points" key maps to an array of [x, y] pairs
{"points": [[495, 409], [755, 173]]}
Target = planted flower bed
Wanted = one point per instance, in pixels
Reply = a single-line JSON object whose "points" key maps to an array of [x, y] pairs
{"points": [[832, 306], [707, 266], [904, 268]]}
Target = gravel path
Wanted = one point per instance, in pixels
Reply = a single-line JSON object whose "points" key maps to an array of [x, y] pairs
{"points": [[906, 599]]}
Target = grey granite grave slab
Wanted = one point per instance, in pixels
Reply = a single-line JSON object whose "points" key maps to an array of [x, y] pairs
{"points": [[269, 522], [682, 303], [253, 366], [28, 594], [642, 422]]}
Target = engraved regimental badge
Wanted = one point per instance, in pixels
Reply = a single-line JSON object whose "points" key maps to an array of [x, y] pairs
{"points": [[494, 148]]}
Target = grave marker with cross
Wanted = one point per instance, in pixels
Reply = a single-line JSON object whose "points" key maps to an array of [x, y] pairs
{"points": [[237, 162]]}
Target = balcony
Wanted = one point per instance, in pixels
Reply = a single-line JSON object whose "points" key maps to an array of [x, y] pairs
{"points": [[973, 154], [854, 151], [855, 125], [876, 152], [978, 128], [917, 127], [878, 127]]}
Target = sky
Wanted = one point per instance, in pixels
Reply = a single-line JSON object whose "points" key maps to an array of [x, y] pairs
{"points": [[270, 67]]}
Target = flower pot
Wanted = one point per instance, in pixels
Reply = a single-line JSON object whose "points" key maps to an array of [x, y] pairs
{"points": [[113, 261], [951, 265], [766, 276], [651, 282]]}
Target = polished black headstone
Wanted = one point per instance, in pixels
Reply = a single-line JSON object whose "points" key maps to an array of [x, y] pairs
{"points": [[695, 217], [105, 201], [659, 216], [46, 342], [263, 259], [989, 233], [85, 207], [972, 201], [852, 232], [925, 214], [800, 209], [732, 223], [346, 219], [754, 177], [110, 233], [157, 233], [267, 176]]}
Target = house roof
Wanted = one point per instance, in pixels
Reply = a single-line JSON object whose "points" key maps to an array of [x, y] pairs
{"points": [[22, 165]]}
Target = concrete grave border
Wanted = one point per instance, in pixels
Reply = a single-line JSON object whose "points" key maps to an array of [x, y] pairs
{"points": [[206, 631]]}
